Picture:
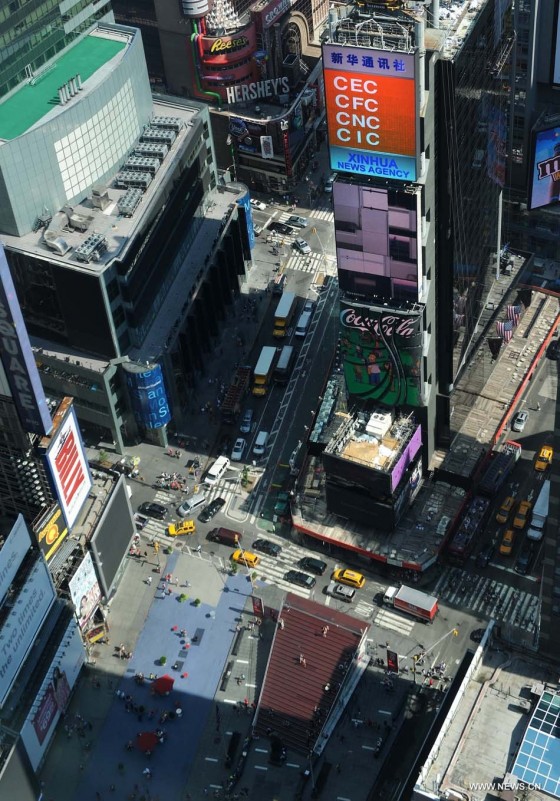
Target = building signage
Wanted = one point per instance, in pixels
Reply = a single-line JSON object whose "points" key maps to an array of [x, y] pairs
{"points": [[382, 353], [68, 467], [371, 105], [406, 458], [12, 553], [22, 623], [545, 184], [46, 714], [51, 531], [85, 592], [255, 91], [224, 45], [555, 59], [274, 11], [148, 396], [18, 360]]}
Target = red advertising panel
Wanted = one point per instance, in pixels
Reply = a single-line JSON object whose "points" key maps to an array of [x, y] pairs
{"points": [[68, 467], [392, 661], [46, 713], [376, 233], [371, 99]]}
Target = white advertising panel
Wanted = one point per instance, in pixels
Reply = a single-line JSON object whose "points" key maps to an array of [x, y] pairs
{"points": [[23, 623], [69, 468], [85, 591], [14, 549]]}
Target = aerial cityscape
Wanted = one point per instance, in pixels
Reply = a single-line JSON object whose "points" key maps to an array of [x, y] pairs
{"points": [[279, 348]]}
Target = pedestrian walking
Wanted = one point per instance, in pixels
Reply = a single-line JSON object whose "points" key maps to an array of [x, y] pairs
{"points": [[149, 581]]}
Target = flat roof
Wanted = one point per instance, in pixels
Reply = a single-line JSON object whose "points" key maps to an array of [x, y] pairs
{"points": [[34, 100], [538, 760]]}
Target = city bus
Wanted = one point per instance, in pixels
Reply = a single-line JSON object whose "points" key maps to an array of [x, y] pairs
{"points": [[285, 364], [262, 375], [283, 316]]}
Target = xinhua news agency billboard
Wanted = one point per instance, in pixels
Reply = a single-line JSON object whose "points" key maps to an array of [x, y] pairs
{"points": [[381, 351], [545, 176], [371, 100]]}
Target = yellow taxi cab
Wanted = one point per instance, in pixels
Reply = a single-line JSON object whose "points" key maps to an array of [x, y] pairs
{"points": [[245, 558], [349, 577], [544, 459], [505, 510], [506, 544], [520, 519], [183, 527]]}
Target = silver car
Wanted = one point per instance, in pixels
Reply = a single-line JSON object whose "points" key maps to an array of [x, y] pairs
{"points": [[302, 246], [246, 422], [238, 449], [519, 421]]}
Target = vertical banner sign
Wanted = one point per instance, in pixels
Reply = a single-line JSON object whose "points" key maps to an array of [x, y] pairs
{"points": [[18, 360], [68, 467], [371, 99], [51, 531], [392, 661]]}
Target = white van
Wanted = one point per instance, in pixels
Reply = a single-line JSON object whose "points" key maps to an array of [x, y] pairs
{"points": [[260, 443], [189, 506], [303, 324], [217, 470]]}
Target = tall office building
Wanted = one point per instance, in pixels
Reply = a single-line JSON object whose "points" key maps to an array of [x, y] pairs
{"points": [[416, 106], [124, 250], [531, 210]]}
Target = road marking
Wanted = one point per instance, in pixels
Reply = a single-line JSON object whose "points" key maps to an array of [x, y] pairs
{"points": [[260, 767], [261, 750], [368, 747], [391, 620], [243, 661], [291, 765], [210, 759]]}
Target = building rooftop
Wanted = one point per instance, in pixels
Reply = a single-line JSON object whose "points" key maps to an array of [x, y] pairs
{"points": [[486, 736], [111, 214], [33, 101]]}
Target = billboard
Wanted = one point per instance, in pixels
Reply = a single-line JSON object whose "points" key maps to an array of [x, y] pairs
{"points": [[148, 397], [376, 236], [371, 100], [245, 201], [85, 592], [45, 714], [51, 531], [227, 49], [406, 458], [68, 467], [545, 175], [555, 60], [21, 625], [12, 553], [381, 351], [18, 360]]}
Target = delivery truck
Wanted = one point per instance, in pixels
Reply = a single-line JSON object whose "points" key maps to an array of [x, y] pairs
{"points": [[414, 602], [540, 513]]}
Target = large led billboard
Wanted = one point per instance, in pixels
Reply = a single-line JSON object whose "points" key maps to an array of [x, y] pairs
{"points": [[371, 100], [376, 234], [51, 531], [148, 397], [555, 60], [68, 467], [85, 591], [381, 351], [545, 176]]}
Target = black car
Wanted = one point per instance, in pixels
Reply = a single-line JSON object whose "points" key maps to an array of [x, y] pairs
{"points": [[525, 558], [314, 565], [302, 579], [553, 350], [212, 509], [485, 556], [281, 228], [378, 598], [153, 510], [266, 546]]}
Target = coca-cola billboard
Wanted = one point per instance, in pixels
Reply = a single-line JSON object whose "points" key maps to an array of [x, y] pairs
{"points": [[381, 350]]}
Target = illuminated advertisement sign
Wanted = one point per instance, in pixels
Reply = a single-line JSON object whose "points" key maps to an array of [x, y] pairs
{"points": [[258, 90], [68, 467], [21, 625], [18, 360], [85, 592], [371, 111], [12, 553], [147, 395], [545, 183], [406, 458], [376, 234], [245, 201], [381, 351], [46, 714], [51, 531], [227, 49]]}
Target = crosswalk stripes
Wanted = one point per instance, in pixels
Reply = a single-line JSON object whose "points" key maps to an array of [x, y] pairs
{"points": [[304, 264], [488, 597], [388, 619], [363, 609], [322, 213]]}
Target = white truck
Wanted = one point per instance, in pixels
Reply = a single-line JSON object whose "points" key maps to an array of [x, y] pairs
{"points": [[540, 513]]}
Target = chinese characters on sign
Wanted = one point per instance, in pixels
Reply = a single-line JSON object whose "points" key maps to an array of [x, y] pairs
{"points": [[371, 111]]}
